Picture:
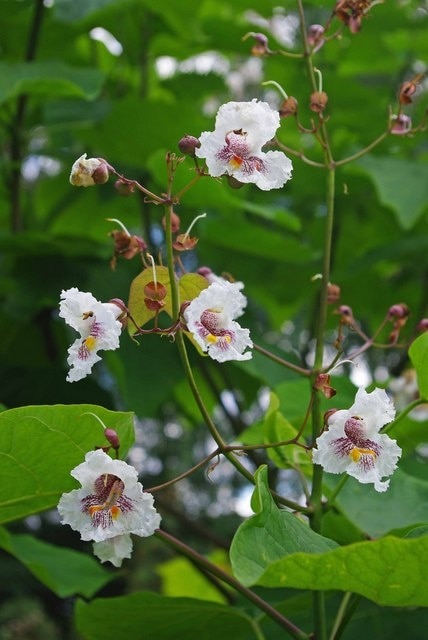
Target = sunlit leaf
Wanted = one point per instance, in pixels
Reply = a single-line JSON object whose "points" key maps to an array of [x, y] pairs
{"points": [[418, 354]]}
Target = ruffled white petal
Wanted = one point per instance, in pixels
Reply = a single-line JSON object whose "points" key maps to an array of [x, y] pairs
{"points": [[245, 127], [114, 550]]}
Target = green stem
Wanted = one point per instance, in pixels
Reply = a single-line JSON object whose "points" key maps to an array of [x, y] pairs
{"points": [[281, 361], [338, 488], [264, 606]]}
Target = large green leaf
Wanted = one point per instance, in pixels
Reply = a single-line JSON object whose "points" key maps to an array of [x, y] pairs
{"points": [[404, 504], [270, 535], [39, 445], [66, 572], [387, 571], [48, 78], [401, 185], [418, 354], [141, 616]]}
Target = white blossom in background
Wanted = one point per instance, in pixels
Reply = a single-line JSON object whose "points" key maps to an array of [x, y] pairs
{"points": [[235, 146], [109, 506], [97, 324], [353, 445], [86, 172], [210, 317]]}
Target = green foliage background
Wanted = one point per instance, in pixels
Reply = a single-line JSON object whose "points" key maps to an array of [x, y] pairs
{"points": [[63, 93]]}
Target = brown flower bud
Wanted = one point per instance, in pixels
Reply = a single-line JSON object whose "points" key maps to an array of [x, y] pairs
{"points": [[101, 173], [124, 188], [408, 89], [289, 107], [175, 222], [322, 383], [187, 145], [318, 101], [333, 293], [184, 242]]}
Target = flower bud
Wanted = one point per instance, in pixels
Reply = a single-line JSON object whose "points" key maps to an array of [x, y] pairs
{"points": [[289, 107], [124, 188], [155, 291], [112, 437], [315, 36], [188, 144], [318, 101], [328, 414], [400, 125], [322, 383], [408, 89], [175, 222], [126, 245], [399, 311], [261, 45], [86, 172], [422, 325], [184, 242], [333, 293]]}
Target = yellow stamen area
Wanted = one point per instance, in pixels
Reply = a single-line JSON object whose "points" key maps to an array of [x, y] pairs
{"points": [[114, 511], [214, 339], [356, 453], [90, 343], [235, 162], [87, 314]]}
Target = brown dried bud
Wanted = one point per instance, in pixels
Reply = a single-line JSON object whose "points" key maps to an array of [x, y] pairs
{"points": [[124, 188], [187, 145], [318, 101], [408, 89], [333, 293], [175, 222], [155, 291], [289, 107], [322, 383], [347, 315], [126, 245], [184, 242]]}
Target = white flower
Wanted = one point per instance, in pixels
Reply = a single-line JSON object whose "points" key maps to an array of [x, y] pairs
{"points": [[353, 443], [98, 327], [114, 550], [210, 318], [109, 506], [83, 170], [235, 146]]}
